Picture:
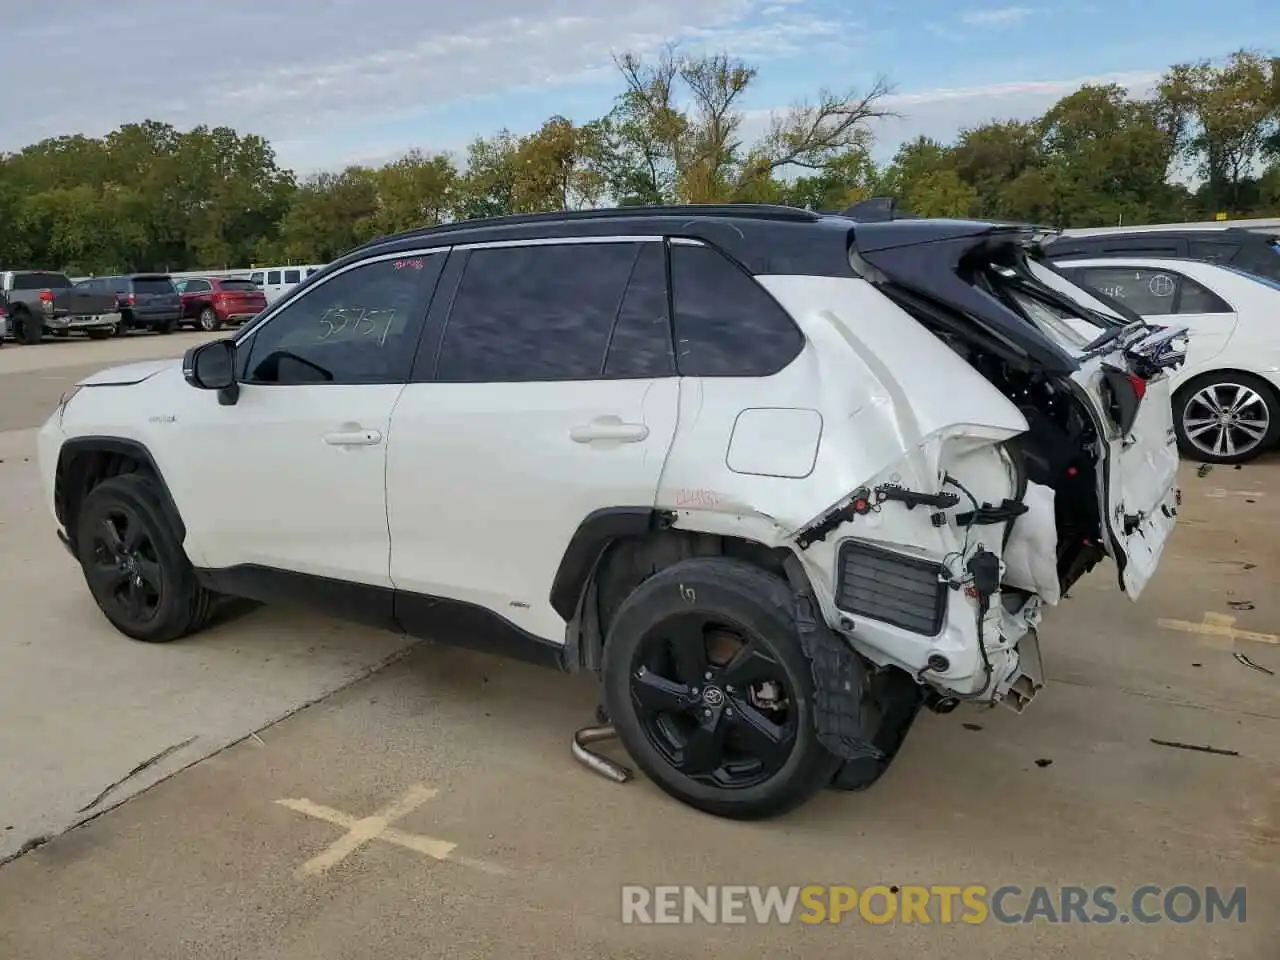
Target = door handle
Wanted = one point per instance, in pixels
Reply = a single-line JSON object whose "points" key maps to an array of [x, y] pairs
{"points": [[609, 428], [353, 438]]}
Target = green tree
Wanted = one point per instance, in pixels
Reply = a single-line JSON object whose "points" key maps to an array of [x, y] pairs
{"points": [[1223, 120]]}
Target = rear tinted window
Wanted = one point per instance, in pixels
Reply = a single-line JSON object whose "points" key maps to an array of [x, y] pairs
{"points": [[292, 276], [239, 285], [39, 281], [726, 324], [153, 285]]}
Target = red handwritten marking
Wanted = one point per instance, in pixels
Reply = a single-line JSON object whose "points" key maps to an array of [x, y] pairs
{"points": [[698, 498], [403, 264]]}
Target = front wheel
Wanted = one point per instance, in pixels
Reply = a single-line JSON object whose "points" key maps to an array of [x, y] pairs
{"points": [[1226, 417], [134, 564], [711, 693]]}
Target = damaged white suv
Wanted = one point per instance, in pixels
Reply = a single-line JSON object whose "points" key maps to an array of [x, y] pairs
{"points": [[779, 479]]}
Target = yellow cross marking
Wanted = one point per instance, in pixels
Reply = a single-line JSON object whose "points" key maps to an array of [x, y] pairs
{"points": [[1220, 627], [363, 830]]}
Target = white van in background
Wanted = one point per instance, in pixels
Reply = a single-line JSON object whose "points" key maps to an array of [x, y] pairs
{"points": [[276, 281]]}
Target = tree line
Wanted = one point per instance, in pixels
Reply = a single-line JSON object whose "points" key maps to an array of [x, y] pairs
{"points": [[150, 197]]}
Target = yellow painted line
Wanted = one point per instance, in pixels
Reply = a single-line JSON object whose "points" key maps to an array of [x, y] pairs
{"points": [[364, 830], [1218, 625]]}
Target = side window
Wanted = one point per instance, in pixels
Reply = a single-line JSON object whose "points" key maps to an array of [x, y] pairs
{"points": [[292, 276], [360, 326], [1213, 251], [1195, 298], [273, 276], [641, 343], [726, 324], [1147, 292], [256, 278], [196, 286], [533, 313]]}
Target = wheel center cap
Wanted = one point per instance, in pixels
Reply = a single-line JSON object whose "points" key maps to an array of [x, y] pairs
{"points": [[712, 696]]}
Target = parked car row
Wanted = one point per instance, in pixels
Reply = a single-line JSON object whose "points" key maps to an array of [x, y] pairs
{"points": [[34, 303]]}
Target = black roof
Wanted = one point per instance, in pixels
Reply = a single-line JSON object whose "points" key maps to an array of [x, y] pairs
{"points": [[764, 238]]}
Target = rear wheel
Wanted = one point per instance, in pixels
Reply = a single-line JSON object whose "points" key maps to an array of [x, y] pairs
{"points": [[122, 327], [28, 329], [1226, 417], [711, 693], [209, 319], [165, 326], [134, 565]]}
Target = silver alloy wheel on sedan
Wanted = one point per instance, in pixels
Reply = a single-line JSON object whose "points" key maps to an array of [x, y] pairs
{"points": [[1226, 420]]}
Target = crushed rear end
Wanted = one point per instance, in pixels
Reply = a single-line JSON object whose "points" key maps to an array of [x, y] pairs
{"points": [[981, 526]]}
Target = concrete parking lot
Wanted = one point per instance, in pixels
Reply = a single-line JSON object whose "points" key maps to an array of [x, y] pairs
{"points": [[426, 805]]}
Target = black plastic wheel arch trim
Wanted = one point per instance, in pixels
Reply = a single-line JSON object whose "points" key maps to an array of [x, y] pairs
{"points": [[599, 529], [70, 452]]}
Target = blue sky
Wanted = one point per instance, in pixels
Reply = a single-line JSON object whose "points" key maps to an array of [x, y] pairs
{"points": [[352, 82]]}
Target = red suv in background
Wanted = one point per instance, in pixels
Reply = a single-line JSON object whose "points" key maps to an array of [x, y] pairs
{"points": [[209, 302]]}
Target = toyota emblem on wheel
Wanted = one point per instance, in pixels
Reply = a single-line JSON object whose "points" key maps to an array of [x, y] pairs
{"points": [[713, 696]]}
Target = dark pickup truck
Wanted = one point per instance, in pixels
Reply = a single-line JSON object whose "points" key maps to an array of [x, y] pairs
{"points": [[39, 300]]}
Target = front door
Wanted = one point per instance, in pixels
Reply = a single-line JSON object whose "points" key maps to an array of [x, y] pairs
{"points": [[554, 396], [293, 474]]}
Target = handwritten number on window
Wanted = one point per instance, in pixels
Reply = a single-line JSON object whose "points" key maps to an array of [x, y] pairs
{"points": [[363, 323]]}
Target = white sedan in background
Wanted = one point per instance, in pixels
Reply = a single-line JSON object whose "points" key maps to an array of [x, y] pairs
{"points": [[1226, 401]]}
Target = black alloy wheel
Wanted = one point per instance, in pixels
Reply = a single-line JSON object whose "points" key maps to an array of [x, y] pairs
{"points": [[713, 701], [125, 570], [134, 563], [710, 691]]}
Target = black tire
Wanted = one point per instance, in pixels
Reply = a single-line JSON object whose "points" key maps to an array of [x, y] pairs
{"points": [[209, 319], [150, 562], [100, 333], [165, 326], [756, 606], [27, 329], [122, 328], [1255, 429]]}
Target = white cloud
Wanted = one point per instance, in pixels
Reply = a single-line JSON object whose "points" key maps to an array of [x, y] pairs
{"points": [[294, 71], [994, 18]]}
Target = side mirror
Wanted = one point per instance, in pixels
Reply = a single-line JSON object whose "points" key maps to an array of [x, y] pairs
{"points": [[212, 366]]}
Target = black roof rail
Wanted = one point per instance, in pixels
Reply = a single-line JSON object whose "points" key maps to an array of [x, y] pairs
{"points": [[742, 211]]}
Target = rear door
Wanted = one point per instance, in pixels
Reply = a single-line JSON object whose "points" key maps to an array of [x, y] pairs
{"points": [[196, 294], [544, 391]]}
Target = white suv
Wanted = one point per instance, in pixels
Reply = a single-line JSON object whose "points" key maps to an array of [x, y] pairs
{"points": [[778, 479]]}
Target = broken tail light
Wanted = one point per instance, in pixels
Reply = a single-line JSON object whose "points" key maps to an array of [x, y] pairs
{"points": [[1125, 390]]}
